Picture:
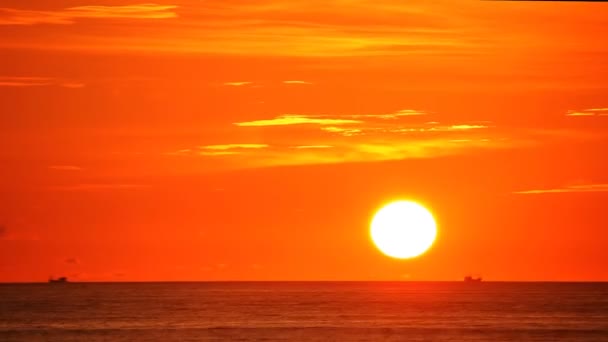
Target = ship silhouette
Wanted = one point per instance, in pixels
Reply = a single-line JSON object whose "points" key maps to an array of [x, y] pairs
{"points": [[58, 280], [470, 279]]}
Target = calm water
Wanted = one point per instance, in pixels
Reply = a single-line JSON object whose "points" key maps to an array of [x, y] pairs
{"points": [[305, 311]]}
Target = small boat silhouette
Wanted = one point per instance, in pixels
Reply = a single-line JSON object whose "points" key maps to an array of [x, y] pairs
{"points": [[58, 280], [469, 279]]}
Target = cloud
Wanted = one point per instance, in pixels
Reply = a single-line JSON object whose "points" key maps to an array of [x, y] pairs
{"points": [[96, 187], [65, 168], [588, 112], [258, 28], [316, 28], [296, 119], [27, 81], [12, 81], [219, 153], [311, 146], [371, 138], [465, 127], [233, 146], [437, 128], [182, 152], [237, 84], [361, 149], [347, 132], [11, 16], [360, 124], [312, 28], [568, 189], [328, 120], [140, 11], [398, 114], [248, 83], [73, 85], [297, 82], [228, 149], [295, 139]]}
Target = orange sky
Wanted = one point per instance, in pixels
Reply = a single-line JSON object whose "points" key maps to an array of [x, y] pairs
{"points": [[234, 139]]}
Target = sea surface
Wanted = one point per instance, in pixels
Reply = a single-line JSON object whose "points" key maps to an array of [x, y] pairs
{"points": [[304, 311]]}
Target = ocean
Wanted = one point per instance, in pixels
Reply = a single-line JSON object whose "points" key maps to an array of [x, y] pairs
{"points": [[304, 311]]}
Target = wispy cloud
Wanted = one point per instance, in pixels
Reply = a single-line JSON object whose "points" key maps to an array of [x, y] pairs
{"points": [[96, 187], [365, 142], [259, 28], [237, 84], [315, 28], [301, 147], [357, 124], [397, 114], [228, 149], [567, 189], [588, 112], [29, 81], [466, 127], [73, 85], [297, 82], [347, 132], [13, 81], [65, 168], [328, 120], [339, 138], [182, 152], [296, 119], [12, 16], [365, 150], [234, 146], [139, 11], [312, 28]]}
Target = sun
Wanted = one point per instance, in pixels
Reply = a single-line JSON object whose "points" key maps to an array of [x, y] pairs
{"points": [[403, 229]]}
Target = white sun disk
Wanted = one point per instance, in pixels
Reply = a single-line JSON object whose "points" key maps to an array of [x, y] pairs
{"points": [[403, 229]]}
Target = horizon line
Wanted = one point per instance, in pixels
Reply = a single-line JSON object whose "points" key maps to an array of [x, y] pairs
{"points": [[298, 281]]}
